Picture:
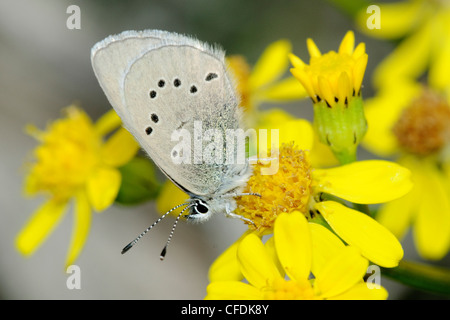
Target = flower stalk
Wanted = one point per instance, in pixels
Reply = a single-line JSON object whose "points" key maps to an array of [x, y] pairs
{"points": [[421, 276], [341, 127]]}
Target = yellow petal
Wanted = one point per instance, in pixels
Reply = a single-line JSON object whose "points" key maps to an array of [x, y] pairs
{"points": [[271, 65], [326, 91], [256, 263], [358, 72], [119, 149], [226, 267], [359, 50], [304, 80], [347, 44], [325, 245], [270, 247], [397, 215], [361, 291], [232, 290], [40, 226], [107, 123], [312, 48], [432, 224], [288, 89], [296, 61], [381, 113], [321, 155], [439, 77], [408, 60], [370, 181], [273, 118], [102, 187], [396, 19], [345, 88], [291, 232], [341, 273], [298, 130], [375, 242], [81, 227], [290, 129]]}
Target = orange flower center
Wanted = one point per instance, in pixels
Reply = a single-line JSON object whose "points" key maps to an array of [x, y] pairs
{"points": [[287, 190], [424, 127]]}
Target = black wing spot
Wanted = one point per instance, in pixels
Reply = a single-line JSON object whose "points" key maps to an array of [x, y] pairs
{"points": [[161, 83], [193, 89], [177, 82], [152, 94], [154, 117], [211, 76], [149, 130]]}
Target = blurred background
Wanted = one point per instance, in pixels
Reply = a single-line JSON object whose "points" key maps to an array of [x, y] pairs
{"points": [[45, 67]]}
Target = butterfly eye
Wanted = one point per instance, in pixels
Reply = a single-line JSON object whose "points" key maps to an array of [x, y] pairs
{"points": [[201, 207]]}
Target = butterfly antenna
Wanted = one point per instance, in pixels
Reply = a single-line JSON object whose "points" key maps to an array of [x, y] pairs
{"points": [[164, 250], [132, 243]]}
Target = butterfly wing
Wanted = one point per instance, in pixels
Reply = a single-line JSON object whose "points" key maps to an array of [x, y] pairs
{"points": [[164, 82]]}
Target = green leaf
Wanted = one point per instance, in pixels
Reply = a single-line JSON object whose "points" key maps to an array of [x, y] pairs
{"points": [[139, 183]]}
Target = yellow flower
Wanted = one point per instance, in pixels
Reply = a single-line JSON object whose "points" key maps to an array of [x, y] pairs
{"points": [[73, 162], [264, 82], [424, 27], [333, 81], [333, 76], [318, 194], [413, 123], [299, 187], [293, 251]]}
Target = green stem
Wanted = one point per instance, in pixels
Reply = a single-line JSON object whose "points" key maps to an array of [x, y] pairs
{"points": [[421, 276], [364, 208]]}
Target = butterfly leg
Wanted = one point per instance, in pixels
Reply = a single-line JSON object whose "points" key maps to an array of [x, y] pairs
{"points": [[230, 214]]}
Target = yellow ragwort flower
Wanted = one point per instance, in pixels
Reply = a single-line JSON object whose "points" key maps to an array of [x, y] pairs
{"points": [[73, 162], [298, 186], [412, 122], [333, 76], [333, 81], [297, 249], [424, 27]]}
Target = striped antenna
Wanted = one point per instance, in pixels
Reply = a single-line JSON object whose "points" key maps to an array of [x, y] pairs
{"points": [[164, 250], [132, 243]]}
